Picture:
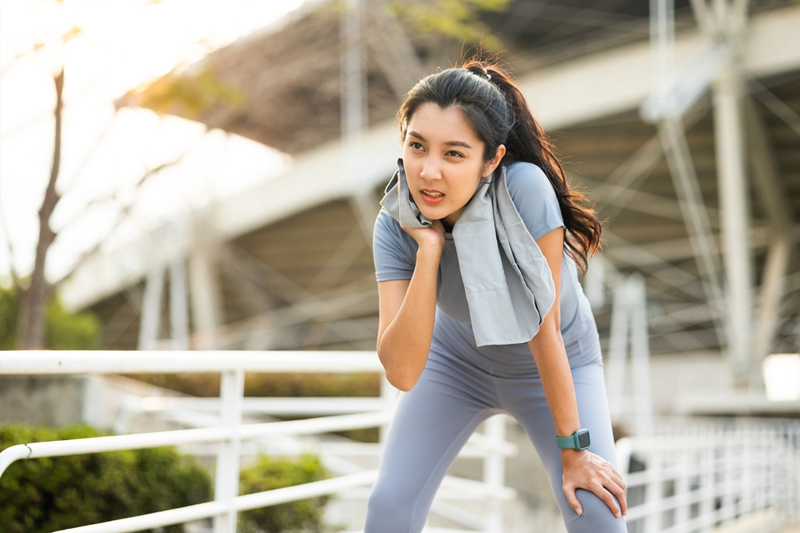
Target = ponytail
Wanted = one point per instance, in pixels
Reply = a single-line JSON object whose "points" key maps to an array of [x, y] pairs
{"points": [[527, 142]]}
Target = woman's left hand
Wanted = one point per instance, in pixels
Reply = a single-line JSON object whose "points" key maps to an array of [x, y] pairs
{"points": [[585, 470]]}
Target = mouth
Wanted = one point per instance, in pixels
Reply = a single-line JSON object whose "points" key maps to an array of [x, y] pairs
{"points": [[432, 196]]}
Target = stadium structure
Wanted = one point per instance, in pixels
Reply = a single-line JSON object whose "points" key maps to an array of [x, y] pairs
{"points": [[680, 121], [687, 146]]}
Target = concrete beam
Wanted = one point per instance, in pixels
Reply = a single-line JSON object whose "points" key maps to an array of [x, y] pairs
{"points": [[734, 206], [766, 177], [562, 95]]}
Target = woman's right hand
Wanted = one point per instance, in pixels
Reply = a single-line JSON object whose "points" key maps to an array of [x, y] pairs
{"points": [[430, 238], [408, 311]]}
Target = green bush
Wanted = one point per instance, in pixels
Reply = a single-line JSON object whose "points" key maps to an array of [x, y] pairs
{"points": [[42, 495], [287, 384], [63, 330], [295, 385], [274, 473]]}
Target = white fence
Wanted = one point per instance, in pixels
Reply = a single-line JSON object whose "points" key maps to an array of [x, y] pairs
{"points": [[348, 413], [694, 476], [688, 477]]}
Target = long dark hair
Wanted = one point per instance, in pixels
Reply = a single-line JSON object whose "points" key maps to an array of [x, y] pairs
{"points": [[497, 111]]}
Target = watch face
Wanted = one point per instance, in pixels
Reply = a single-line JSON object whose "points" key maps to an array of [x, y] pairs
{"points": [[583, 439]]}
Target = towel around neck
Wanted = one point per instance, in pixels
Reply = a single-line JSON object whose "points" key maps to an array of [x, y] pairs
{"points": [[508, 283]]}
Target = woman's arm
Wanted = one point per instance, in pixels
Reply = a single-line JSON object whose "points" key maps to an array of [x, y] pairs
{"points": [[407, 310], [582, 469]]}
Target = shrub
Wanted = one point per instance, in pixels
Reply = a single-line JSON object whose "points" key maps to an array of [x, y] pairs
{"points": [[274, 473], [296, 385], [63, 330], [42, 495], [286, 384]]}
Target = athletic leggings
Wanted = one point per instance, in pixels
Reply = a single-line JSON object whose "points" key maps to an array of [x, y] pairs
{"points": [[460, 388]]}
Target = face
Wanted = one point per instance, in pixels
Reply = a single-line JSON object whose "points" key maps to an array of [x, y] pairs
{"points": [[443, 160]]}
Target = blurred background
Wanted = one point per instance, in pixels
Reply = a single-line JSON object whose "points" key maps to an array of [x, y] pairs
{"points": [[205, 175]]}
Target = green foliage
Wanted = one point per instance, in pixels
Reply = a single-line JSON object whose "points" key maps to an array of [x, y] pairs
{"points": [[296, 385], [292, 385], [9, 306], [68, 331], [63, 330], [51, 493], [274, 473], [189, 96], [455, 18]]}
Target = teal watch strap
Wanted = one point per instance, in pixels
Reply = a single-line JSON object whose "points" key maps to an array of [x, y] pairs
{"points": [[577, 441]]}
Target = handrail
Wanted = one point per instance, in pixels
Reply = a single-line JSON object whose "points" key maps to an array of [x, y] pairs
{"points": [[702, 475], [35, 450], [18, 362], [370, 412]]}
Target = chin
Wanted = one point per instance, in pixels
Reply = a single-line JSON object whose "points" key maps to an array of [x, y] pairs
{"points": [[433, 215]]}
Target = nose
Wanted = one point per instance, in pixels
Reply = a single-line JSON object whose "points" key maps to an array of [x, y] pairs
{"points": [[431, 169]]}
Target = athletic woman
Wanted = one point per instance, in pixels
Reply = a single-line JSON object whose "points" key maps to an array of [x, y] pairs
{"points": [[481, 311]]}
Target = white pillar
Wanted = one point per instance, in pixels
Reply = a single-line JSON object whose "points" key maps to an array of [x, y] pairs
{"points": [[732, 187], [150, 319], [640, 357], [630, 392], [178, 307], [617, 349], [353, 81], [205, 296], [766, 179]]}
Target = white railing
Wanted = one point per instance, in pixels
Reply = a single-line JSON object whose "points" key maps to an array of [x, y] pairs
{"points": [[694, 476], [230, 432]]}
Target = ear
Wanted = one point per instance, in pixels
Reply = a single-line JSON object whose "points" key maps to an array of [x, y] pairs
{"points": [[492, 164]]}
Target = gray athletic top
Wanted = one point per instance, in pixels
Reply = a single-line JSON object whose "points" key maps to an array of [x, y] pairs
{"points": [[395, 253]]}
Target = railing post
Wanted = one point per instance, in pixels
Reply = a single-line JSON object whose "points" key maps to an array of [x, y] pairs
{"points": [[708, 478], [494, 471], [226, 485], [653, 460], [683, 470]]}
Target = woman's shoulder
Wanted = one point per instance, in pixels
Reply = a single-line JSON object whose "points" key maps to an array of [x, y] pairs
{"points": [[521, 174], [527, 180], [534, 197]]}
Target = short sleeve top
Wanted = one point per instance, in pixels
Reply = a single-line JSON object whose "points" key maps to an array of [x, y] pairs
{"points": [[533, 195]]}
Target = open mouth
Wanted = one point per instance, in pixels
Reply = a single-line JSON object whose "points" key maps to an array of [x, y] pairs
{"points": [[432, 197]]}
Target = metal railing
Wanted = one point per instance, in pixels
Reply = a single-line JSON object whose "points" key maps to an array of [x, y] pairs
{"points": [[698, 475], [230, 432]]}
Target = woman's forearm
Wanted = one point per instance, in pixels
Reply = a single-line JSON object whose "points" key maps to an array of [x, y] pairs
{"points": [[403, 347], [551, 359]]}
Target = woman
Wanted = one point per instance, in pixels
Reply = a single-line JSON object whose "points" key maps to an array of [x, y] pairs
{"points": [[481, 311]]}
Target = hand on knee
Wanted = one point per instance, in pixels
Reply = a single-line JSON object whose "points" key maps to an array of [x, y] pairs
{"points": [[588, 471]]}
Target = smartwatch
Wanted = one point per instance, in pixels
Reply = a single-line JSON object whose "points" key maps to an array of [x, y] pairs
{"points": [[577, 441]]}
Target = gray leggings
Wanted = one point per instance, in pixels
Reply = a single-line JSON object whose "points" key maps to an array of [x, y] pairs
{"points": [[452, 397]]}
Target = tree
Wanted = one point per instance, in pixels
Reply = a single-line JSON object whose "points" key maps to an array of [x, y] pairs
{"points": [[34, 292], [33, 299]]}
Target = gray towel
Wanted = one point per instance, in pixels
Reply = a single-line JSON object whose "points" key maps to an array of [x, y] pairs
{"points": [[508, 283]]}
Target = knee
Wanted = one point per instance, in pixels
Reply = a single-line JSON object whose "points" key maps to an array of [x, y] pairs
{"points": [[596, 516], [388, 510]]}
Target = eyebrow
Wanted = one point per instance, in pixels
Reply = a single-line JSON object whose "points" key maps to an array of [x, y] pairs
{"points": [[448, 143]]}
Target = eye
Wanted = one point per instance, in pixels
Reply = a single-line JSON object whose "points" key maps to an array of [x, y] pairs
{"points": [[454, 153], [415, 145]]}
